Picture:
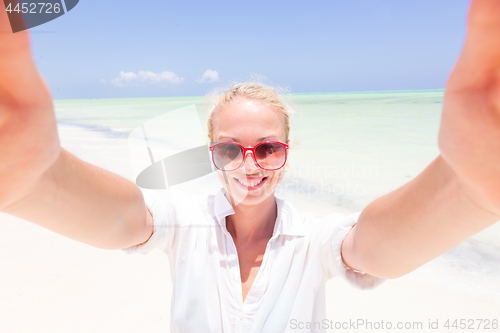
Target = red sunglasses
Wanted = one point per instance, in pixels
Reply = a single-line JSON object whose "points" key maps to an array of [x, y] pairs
{"points": [[268, 155]]}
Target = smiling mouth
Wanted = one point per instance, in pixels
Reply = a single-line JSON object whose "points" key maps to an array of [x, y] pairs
{"points": [[253, 183]]}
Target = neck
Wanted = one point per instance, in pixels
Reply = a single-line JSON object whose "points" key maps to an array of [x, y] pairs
{"points": [[251, 223]]}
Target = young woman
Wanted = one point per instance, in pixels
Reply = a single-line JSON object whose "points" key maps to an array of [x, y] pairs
{"points": [[243, 260]]}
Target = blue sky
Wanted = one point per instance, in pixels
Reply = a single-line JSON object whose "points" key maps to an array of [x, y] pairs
{"points": [[314, 46]]}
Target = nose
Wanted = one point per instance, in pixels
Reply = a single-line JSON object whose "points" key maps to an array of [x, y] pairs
{"points": [[249, 163]]}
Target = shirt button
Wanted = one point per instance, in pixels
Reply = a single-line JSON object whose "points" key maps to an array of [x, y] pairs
{"points": [[242, 315]]}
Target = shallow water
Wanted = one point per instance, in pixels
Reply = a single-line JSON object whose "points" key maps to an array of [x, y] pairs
{"points": [[347, 149]]}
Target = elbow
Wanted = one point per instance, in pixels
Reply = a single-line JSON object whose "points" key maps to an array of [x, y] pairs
{"points": [[387, 269], [138, 228], [134, 226], [388, 275]]}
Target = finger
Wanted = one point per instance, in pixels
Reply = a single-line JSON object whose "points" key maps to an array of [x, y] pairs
{"points": [[11, 44], [20, 83], [479, 63], [484, 14]]}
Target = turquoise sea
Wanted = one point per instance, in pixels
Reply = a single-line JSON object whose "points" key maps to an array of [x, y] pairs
{"points": [[347, 149]]}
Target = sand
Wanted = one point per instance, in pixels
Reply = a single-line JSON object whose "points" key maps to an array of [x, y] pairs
{"points": [[53, 284]]}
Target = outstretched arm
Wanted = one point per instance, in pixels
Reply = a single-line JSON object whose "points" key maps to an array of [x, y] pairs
{"points": [[458, 194], [43, 183]]}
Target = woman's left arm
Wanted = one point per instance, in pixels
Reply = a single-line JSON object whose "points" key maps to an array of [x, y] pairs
{"points": [[458, 194]]}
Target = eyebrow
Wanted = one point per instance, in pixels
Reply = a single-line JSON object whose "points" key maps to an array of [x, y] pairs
{"points": [[260, 139]]}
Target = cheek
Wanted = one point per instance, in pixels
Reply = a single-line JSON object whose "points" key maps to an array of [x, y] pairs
{"points": [[277, 177]]}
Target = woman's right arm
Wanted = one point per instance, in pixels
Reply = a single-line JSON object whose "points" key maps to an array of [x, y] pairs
{"points": [[43, 183]]}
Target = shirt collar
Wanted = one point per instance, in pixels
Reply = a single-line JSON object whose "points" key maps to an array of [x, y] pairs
{"points": [[288, 221], [222, 207]]}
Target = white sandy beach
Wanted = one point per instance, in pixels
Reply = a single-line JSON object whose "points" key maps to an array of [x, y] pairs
{"points": [[53, 284]]}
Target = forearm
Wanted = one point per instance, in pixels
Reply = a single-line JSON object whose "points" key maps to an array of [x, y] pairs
{"points": [[43, 184], [423, 219], [86, 203]]}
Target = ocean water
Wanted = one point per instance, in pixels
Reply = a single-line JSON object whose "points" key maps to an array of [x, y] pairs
{"points": [[347, 149]]}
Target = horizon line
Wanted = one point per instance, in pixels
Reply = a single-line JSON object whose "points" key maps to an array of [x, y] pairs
{"points": [[288, 94]]}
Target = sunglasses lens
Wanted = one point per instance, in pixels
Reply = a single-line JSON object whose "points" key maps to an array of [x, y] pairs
{"points": [[227, 156], [270, 155]]}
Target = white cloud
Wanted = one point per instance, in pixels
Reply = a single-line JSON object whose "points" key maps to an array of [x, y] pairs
{"points": [[142, 78], [209, 76], [102, 81]]}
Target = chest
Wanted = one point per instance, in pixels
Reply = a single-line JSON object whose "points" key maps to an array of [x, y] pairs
{"points": [[250, 258], [210, 266], [275, 281]]}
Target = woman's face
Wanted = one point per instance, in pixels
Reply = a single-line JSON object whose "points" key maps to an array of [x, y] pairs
{"points": [[249, 122]]}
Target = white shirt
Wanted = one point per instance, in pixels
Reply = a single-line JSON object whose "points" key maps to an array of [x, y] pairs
{"points": [[302, 254]]}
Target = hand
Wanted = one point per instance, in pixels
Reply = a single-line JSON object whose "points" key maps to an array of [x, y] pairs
{"points": [[29, 144], [44, 184], [469, 137], [458, 194]]}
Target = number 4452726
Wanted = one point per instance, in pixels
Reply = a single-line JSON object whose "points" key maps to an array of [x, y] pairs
{"points": [[485, 324], [35, 8]]}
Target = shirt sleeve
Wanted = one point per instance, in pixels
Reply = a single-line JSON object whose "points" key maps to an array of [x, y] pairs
{"points": [[356, 279], [166, 210]]}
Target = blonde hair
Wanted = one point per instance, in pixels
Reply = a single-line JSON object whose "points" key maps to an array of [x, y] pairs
{"points": [[253, 91]]}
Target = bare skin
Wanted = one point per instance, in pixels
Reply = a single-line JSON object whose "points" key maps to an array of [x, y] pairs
{"points": [[458, 194], [45, 184], [248, 123], [455, 197]]}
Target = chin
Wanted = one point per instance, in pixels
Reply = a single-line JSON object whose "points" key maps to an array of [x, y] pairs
{"points": [[250, 199], [248, 195]]}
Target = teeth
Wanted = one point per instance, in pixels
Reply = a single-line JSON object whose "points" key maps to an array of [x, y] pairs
{"points": [[250, 184]]}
